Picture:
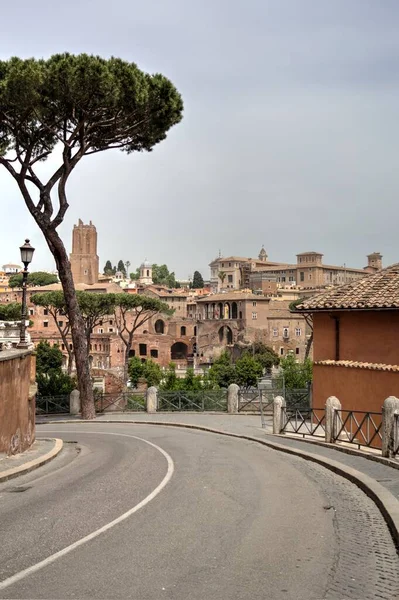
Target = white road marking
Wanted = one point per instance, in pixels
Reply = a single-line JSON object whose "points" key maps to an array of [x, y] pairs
{"points": [[50, 559]]}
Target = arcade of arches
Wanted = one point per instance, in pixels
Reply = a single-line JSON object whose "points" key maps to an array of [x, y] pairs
{"points": [[221, 310]]}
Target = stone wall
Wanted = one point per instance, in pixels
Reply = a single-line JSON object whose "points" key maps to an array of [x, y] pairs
{"points": [[17, 400]]}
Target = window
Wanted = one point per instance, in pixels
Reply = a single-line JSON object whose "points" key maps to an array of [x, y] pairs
{"points": [[95, 347], [254, 316], [110, 330], [230, 278], [298, 331], [70, 346], [286, 332], [45, 311], [229, 264], [60, 323], [302, 276], [100, 322], [143, 349], [63, 347], [281, 351], [283, 279], [222, 265], [101, 330], [45, 323], [296, 350], [182, 330], [154, 353], [31, 311], [275, 332], [159, 326], [148, 273], [110, 322], [254, 303]]}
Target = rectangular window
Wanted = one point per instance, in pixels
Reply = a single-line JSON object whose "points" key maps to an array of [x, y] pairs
{"points": [[254, 303], [154, 353], [110, 322], [254, 316], [143, 349], [45, 311], [110, 330], [60, 323], [70, 346], [302, 276], [296, 350], [45, 323], [275, 332], [229, 264], [230, 278], [298, 331], [285, 332], [31, 312], [101, 330], [281, 351], [62, 346]]}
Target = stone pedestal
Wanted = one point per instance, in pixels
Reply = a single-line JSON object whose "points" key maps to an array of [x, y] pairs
{"points": [[232, 398], [332, 405], [389, 408], [152, 400], [278, 414], [74, 402]]}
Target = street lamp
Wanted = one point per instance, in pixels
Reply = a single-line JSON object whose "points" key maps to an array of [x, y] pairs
{"points": [[26, 257]]}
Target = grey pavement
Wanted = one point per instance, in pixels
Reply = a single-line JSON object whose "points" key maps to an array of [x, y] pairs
{"points": [[250, 425], [39, 449], [237, 520]]}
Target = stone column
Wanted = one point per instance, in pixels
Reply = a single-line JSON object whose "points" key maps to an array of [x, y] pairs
{"points": [[278, 414], [152, 400], [74, 402], [232, 398], [332, 405], [389, 408]]}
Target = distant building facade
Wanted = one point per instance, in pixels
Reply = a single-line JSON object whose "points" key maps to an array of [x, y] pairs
{"points": [[83, 258]]}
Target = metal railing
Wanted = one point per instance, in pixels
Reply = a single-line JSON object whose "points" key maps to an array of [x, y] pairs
{"points": [[133, 401], [304, 421], [52, 405], [255, 400], [358, 427], [200, 401], [395, 449]]}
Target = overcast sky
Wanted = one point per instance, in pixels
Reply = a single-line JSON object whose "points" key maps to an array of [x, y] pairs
{"points": [[290, 136]]}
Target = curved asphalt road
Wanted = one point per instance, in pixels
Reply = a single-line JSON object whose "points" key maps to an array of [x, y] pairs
{"points": [[235, 521]]}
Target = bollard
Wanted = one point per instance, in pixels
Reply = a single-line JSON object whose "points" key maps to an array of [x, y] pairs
{"points": [[278, 414], [232, 398], [151, 400], [74, 402], [390, 406], [332, 405]]}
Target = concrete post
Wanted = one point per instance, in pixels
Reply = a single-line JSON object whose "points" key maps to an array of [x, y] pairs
{"points": [[390, 406], [152, 400], [278, 414], [74, 402], [232, 398], [332, 405]]}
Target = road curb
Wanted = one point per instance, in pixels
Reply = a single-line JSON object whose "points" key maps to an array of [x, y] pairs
{"points": [[386, 502], [33, 464]]}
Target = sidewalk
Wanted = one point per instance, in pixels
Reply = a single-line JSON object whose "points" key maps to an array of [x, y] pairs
{"points": [[40, 453]]}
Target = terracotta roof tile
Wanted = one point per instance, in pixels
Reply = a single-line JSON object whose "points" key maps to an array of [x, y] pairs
{"points": [[352, 364], [377, 291]]}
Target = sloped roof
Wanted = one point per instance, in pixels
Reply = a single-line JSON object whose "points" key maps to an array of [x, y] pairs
{"points": [[377, 291]]}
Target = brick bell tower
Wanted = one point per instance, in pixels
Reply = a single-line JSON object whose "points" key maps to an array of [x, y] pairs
{"points": [[84, 258]]}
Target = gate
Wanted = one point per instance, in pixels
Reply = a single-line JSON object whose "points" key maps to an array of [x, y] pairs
{"points": [[52, 405], [133, 401], [200, 401]]}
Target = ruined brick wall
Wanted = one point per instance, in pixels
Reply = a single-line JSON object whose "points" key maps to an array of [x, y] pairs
{"points": [[17, 402]]}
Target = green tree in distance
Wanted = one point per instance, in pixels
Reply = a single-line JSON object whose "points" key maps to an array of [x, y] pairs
{"points": [[37, 278], [198, 281], [51, 381], [11, 311], [162, 276], [108, 268], [69, 107], [296, 375], [121, 267]]}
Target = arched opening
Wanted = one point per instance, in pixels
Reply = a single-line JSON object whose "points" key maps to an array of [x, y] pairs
{"points": [[219, 311], [213, 310], [207, 315], [159, 326], [90, 361], [221, 334], [234, 310], [226, 311], [229, 336], [179, 351], [240, 314], [195, 330], [182, 330], [132, 353], [148, 273]]}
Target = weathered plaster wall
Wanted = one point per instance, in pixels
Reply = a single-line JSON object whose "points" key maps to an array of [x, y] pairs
{"points": [[17, 401]]}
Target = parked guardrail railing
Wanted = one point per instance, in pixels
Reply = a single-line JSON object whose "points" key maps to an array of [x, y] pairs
{"points": [[133, 401], [358, 427], [201, 400], [52, 405]]}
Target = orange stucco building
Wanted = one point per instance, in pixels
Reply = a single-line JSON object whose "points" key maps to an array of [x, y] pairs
{"points": [[356, 348]]}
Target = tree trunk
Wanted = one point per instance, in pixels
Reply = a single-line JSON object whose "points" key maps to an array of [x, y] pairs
{"points": [[308, 346], [127, 351], [76, 322]]}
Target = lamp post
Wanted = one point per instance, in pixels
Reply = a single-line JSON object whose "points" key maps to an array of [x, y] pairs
{"points": [[26, 257]]}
